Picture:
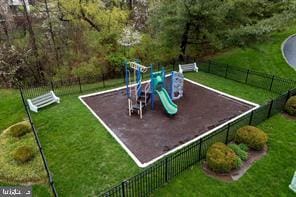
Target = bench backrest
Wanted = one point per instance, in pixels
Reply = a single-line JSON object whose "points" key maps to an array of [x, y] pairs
{"points": [[42, 98], [188, 67]]}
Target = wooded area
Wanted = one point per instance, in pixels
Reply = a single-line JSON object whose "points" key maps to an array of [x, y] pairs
{"points": [[45, 40]]}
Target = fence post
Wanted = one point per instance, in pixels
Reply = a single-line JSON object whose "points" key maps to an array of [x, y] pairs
{"points": [[200, 146], [288, 95], [123, 74], [209, 66], [272, 79], [52, 87], [123, 188], [270, 108], [103, 77], [227, 133], [247, 77], [79, 82], [226, 71], [251, 117], [166, 170]]}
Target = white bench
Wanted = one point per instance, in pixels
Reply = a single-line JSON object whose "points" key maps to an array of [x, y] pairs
{"points": [[188, 67], [42, 101]]}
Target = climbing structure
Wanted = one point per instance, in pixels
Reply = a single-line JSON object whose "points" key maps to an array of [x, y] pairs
{"points": [[177, 83], [138, 96]]}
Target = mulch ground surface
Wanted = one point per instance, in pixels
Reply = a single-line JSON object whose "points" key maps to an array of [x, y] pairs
{"points": [[199, 111]]}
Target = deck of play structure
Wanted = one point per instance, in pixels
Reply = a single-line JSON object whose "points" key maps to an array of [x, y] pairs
{"points": [[201, 110]]}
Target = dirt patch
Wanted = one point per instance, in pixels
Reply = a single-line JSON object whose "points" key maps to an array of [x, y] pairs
{"points": [[199, 111], [236, 174], [289, 116]]}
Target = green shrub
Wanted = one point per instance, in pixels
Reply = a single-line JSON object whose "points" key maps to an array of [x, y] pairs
{"points": [[238, 162], [252, 136], [244, 147], [290, 106], [243, 155], [23, 154], [19, 129], [221, 158]]}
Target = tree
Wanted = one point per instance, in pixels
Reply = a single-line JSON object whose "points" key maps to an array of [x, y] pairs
{"points": [[14, 64], [97, 14], [33, 43], [51, 31], [6, 18], [205, 25]]}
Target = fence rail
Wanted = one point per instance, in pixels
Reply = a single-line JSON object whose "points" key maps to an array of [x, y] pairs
{"points": [[172, 165], [253, 78]]}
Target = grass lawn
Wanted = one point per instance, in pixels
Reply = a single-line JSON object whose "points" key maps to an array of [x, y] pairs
{"points": [[84, 157], [244, 91], [269, 176], [12, 111], [265, 57]]}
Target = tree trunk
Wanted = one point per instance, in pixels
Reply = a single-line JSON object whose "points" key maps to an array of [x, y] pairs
{"points": [[88, 20], [184, 41], [5, 29], [130, 3], [52, 35], [33, 43]]}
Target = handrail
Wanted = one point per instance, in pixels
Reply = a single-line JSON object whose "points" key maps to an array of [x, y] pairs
{"points": [[135, 66]]}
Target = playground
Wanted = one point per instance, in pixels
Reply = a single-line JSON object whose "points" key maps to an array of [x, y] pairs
{"points": [[201, 110], [289, 50]]}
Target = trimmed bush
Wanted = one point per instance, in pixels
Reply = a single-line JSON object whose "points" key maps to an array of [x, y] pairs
{"points": [[290, 106], [253, 137], [23, 154], [244, 147], [19, 129], [243, 155], [238, 162], [221, 158]]}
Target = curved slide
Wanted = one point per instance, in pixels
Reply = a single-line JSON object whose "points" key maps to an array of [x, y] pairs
{"points": [[170, 107], [289, 51]]}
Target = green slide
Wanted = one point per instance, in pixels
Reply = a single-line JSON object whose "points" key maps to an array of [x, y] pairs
{"points": [[170, 107]]}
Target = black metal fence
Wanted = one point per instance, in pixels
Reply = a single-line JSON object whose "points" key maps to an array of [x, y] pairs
{"points": [[49, 175], [78, 85], [169, 167], [253, 78]]}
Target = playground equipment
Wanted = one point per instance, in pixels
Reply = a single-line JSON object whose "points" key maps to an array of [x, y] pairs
{"points": [[139, 95], [138, 98], [158, 88], [177, 81], [188, 67]]}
